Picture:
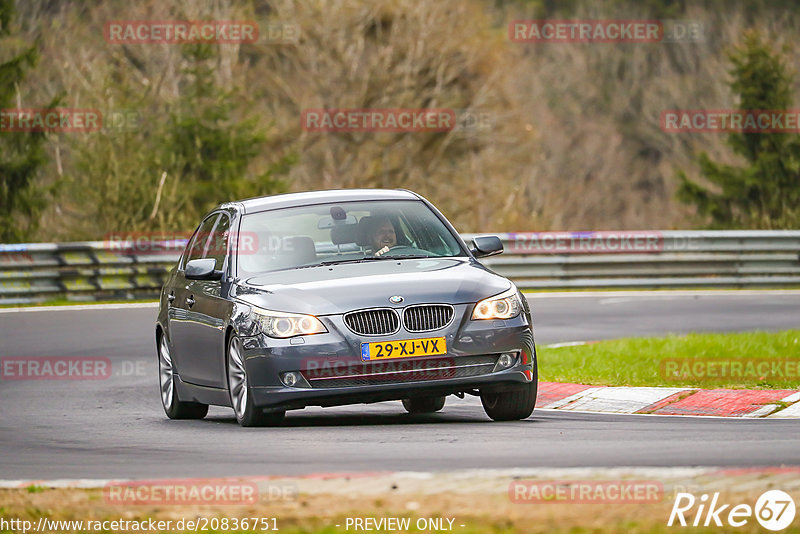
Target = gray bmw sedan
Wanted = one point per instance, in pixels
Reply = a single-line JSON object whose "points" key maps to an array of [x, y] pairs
{"points": [[340, 297]]}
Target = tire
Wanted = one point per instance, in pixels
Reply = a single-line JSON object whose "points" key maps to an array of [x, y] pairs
{"points": [[416, 405], [173, 406], [247, 414], [512, 405]]}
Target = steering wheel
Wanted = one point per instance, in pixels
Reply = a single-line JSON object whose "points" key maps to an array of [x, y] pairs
{"points": [[403, 249]]}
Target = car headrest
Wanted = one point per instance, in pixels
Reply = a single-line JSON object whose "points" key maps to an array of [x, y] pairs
{"points": [[344, 233], [365, 227], [300, 248]]}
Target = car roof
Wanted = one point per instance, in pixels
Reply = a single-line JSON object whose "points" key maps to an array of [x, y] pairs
{"points": [[289, 200]]}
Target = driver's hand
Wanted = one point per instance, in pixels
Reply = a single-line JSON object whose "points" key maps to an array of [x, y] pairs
{"points": [[382, 251]]}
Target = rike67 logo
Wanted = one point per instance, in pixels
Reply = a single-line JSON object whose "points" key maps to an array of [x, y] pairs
{"points": [[774, 510]]}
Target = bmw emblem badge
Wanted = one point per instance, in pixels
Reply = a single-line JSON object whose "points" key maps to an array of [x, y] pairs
{"points": [[395, 299]]}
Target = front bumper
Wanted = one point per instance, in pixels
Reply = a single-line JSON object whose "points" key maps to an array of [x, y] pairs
{"points": [[333, 373]]}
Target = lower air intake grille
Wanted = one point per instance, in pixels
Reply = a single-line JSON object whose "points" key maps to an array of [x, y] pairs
{"points": [[400, 371]]}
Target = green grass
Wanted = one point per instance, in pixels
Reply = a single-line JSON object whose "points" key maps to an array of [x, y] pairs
{"points": [[680, 361]]}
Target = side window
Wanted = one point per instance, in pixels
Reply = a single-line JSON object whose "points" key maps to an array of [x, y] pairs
{"points": [[218, 245], [199, 243]]}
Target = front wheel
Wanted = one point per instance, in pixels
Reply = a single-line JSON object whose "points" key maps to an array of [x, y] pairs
{"points": [[173, 406], [247, 414], [512, 405]]}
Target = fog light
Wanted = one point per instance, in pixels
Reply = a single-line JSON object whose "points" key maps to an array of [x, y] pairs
{"points": [[290, 379], [506, 360]]}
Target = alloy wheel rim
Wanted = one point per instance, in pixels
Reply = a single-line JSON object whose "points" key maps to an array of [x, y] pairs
{"points": [[166, 373], [237, 379]]}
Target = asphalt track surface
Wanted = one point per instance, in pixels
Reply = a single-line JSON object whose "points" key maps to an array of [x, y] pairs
{"points": [[116, 428]]}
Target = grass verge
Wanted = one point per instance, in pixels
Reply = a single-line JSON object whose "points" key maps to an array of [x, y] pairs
{"points": [[749, 360]]}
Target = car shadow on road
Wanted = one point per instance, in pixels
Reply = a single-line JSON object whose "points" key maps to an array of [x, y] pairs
{"points": [[386, 419]]}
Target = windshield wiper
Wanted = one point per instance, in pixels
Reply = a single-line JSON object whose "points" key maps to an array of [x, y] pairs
{"points": [[352, 260], [330, 262], [377, 258], [405, 256]]}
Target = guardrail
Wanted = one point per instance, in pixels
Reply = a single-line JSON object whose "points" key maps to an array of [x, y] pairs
{"points": [[547, 260], [650, 259], [92, 270]]}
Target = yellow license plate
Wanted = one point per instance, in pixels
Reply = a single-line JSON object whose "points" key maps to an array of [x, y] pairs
{"points": [[409, 348]]}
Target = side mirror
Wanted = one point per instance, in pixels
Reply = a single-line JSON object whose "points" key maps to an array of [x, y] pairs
{"points": [[202, 269], [486, 245]]}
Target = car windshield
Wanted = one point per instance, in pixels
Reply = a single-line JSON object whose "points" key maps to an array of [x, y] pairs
{"points": [[344, 232]]}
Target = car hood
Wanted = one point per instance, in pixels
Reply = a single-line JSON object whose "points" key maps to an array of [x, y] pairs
{"points": [[340, 288]]}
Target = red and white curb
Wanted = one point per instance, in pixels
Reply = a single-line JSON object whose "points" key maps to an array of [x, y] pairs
{"points": [[666, 400], [736, 403], [793, 410], [669, 401], [614, 400]]}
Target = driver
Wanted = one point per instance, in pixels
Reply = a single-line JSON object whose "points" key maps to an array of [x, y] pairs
{"points": [[381, 236]]}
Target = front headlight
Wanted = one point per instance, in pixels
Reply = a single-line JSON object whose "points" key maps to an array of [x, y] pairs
{"points": [[506, 305], [280, 324]]}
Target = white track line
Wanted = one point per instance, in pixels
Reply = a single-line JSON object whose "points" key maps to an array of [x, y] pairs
{"points": [[664, 293], [556, 294], [81, 307], [564, 344], [683, 416], [354, 478]]}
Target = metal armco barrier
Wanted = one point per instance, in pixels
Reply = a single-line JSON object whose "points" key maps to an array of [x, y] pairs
{"points": [[93, 270], [650, 259], [544, 260]]}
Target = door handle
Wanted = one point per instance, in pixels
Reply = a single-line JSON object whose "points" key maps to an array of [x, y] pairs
{"points": [[190, 301]]}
